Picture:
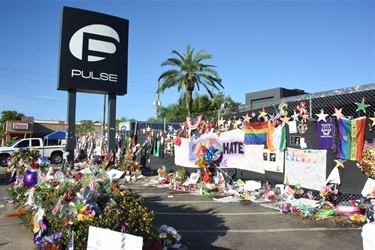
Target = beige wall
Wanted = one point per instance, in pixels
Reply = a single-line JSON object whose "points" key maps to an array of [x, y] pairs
{"points": [[27, 129]]}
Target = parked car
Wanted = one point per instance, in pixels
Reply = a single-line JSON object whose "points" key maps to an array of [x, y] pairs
{"points": [[53, 153]]}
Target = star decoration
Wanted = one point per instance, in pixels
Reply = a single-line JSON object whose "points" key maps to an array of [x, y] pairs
{"points": [[295, 116], [338, 113], [148, 129], [339, 163], [373, 120], [170, 128], [237, 123], [304, 117], [262, 113], [362, 106], [246, 118], [229, 122], [285, 120], [321, 116], [220, 122]]}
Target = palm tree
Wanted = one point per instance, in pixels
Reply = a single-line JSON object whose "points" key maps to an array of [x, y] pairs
{"points": [[190, 73]]}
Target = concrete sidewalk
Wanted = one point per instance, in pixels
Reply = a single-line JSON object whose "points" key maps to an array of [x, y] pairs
{"points": [[13, 235]]}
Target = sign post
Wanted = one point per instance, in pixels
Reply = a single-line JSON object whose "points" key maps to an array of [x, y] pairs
{"points": [[93, 59]]}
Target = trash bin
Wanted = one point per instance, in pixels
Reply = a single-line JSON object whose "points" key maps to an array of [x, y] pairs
{"points": [[368, 233]]}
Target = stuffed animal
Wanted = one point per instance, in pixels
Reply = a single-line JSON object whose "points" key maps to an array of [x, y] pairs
{"points": [[303, 113]]}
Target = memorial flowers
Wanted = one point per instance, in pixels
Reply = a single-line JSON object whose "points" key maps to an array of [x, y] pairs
{"points": [[329, 193]]}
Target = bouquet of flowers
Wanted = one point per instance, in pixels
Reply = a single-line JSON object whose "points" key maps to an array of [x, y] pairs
{"points": [[358, 219], [329, 193], [162, 171]]}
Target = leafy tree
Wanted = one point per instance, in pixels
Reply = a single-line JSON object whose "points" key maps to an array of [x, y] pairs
{"points": [[9, 115], [202, 105], [84, 128], [191, 73]]}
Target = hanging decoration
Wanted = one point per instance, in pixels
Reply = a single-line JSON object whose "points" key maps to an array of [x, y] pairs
{"points": [[283, 109], [302, 111], [321, 116], [246, 118], [362, 106], [338, 113]]}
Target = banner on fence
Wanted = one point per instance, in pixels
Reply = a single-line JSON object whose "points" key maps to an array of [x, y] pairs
{"points": [[233, 153]]}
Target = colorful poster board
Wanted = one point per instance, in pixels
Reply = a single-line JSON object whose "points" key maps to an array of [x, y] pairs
{"points": [[306, 167]]}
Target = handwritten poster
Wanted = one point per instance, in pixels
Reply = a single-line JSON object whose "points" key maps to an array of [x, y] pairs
{"points": [[306, 167], [104, 239]]}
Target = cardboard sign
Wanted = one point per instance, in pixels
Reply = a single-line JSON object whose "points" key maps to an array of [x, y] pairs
{"points": [[104, 239]]}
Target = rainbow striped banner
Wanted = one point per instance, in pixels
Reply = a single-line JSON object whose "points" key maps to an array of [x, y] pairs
{"points": [[256, 133], [351, 138]]}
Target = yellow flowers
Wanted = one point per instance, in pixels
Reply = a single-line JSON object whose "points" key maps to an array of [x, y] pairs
{"points": [[358, 218]]}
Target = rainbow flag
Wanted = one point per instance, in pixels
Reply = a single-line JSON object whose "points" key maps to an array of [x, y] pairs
{"points": [[351, 138], [256, 133]]}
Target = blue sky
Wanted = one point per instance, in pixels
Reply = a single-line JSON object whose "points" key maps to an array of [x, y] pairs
{"points": [[256, 45]]}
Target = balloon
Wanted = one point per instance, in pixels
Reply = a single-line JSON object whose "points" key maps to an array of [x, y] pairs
{"points": [[33, 164], [30, 179], [208, 157], [43, 161], [211, 150], [347, 209], [201, 162], [217, 157], [204, 150], [207, 177]]}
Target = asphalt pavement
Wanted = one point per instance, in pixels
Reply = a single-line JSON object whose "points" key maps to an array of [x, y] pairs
{"points": [[205, 223], [13, 235], [211, 222]]}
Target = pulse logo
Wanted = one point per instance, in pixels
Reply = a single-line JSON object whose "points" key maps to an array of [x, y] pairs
{"points": [[97, 39], [94, 43]]}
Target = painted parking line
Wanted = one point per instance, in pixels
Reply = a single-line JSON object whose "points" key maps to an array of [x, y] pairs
{"points": [[161, 194], [223, 214], [181, 202], [281, 230]]}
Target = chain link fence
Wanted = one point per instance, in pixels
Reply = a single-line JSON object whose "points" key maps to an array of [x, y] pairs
{"points": [[344, 99]]}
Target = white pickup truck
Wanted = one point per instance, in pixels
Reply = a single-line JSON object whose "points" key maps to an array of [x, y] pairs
{"points": [[53, 153]]}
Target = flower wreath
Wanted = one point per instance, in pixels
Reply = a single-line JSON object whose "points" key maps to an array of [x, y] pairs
{"points": [[367, 164]]}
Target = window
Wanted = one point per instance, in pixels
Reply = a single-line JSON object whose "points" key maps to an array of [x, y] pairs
{"points": [[23, 144], [35, 143]]}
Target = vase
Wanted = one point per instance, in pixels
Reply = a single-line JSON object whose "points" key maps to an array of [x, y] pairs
{"points": [[362, 210]]}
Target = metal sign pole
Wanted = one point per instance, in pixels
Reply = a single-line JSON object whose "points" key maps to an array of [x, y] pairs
{"points": [[112, 124], [70, 144]]}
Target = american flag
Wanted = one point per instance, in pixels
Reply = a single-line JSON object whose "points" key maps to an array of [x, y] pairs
{"points": [[70, 245], [219, 177], [276, 118], [92, 185]]}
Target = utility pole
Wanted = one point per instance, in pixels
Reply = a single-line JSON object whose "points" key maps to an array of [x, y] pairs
{"points": [[157, 103]]}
